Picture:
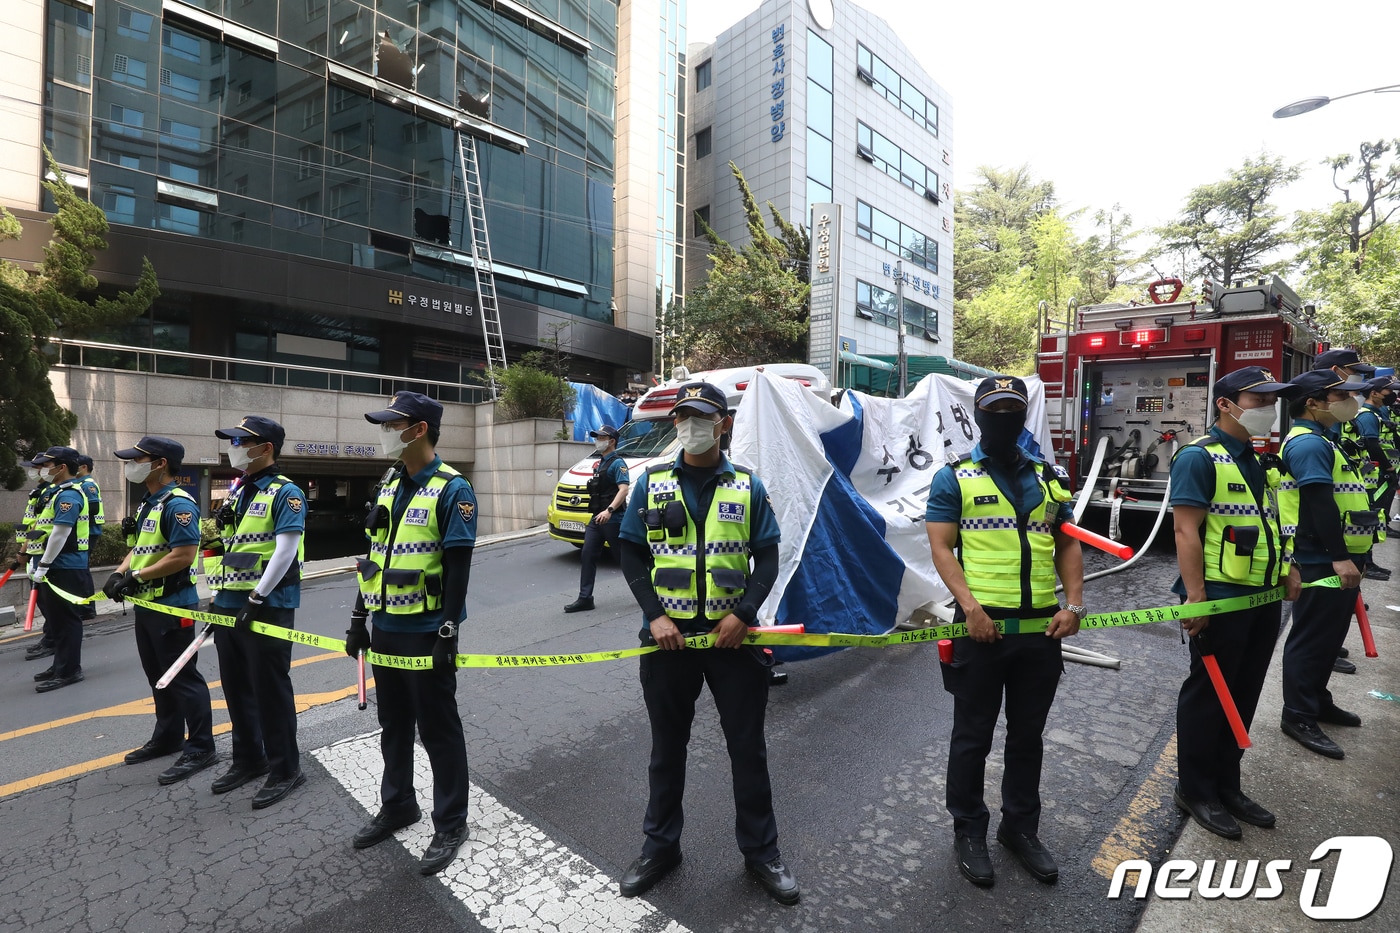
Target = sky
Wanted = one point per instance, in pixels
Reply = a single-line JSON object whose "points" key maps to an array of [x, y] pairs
{"points": [[1136, 103]]}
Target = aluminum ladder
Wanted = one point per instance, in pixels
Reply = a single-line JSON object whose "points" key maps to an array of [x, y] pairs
{"points": [[474, 229]]}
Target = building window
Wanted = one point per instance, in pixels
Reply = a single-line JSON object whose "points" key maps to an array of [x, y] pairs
{"points": [[119, 204], [306, 162], [901, 239], [702, 143], [181, 87], [702, 216], [133, 25], [127, 70], [126, 121], [881, 306], [702, 75], [896, 163], [871, 69], [312, 109]]}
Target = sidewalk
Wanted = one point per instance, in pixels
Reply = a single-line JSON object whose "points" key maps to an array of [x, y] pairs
{"points": [[1315, 798], [16, 594]]}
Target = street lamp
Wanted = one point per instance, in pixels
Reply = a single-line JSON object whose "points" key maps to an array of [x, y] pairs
{"points": [[1309, 104]]}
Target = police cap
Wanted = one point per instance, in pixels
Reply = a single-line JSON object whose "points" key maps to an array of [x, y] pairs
{"points": [[703, 397], [85, 461], [1311, 384], [157, 448], [1379, 384], [1249, 379], [64, 455], [1345, 357], [264, 429], [410, 406], [995, 388], [606, 430]]}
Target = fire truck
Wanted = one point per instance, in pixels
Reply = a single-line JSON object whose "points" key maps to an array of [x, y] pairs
{"points": [[1127, 384]]}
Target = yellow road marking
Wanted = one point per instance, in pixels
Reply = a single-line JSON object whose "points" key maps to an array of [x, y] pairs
{"points": [[1128, 840], [304, 702]]}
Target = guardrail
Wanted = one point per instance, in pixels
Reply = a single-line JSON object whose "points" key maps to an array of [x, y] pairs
{"points": [[89, 354]]}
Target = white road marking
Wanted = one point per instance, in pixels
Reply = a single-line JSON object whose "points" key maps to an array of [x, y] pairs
{"points": [[510, 874]]}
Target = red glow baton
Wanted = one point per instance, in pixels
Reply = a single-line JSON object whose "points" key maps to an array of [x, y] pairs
{"points": [[1227, 703], [1363, 622], [184, 657], [798, 629], [360, 664], [1121, 551], [6, 578], [29, 617]]}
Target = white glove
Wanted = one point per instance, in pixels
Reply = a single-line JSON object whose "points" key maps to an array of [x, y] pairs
{"points": [[40, 571]]}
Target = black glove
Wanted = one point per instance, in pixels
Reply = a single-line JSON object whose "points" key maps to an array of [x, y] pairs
{"points": [[16, 564], [357, 636], [130, 585], [243, 622], [112, 589], [445, 649]]}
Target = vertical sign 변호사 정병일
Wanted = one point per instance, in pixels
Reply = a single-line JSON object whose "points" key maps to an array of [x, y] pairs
{"points": [[825, 268]]}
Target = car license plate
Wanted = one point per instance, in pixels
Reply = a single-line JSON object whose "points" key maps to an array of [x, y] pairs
{"points": [[573, 526]]}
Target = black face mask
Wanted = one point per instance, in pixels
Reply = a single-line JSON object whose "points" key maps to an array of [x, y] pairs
{"points": [[1000, 429]]}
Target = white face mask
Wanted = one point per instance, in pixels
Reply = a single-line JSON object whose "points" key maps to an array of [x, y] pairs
{"points": [[33, 474], [600, 444], [392, 441], [238, 458], [697, 435], [136, 471], [1344, 411], [1257, 421], [1352, 379]]}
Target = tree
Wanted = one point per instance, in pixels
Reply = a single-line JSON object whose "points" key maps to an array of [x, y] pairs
{"points": [[537, 386], [62, 293], [752, 307], [1002, 199], [1351, 257], [1103, 259], [1229, 229]]}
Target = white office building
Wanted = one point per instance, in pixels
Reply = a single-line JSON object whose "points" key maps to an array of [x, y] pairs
{"points": [[829, 116]]}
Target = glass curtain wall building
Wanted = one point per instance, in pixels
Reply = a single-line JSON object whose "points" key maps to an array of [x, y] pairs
{"points": [[291, 168], [832, 119]]}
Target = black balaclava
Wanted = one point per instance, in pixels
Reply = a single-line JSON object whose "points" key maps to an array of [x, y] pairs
{"points": [[1000, 430]]}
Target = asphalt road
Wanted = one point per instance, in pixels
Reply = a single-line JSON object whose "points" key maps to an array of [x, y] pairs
{"points": [[857, 748]]}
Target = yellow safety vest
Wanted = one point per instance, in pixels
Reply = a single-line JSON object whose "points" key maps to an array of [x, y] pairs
{"points": [[1005, 558], [249, 543], [99, 518], [683, 554], [1241, 542], [43, 522], [31, 513], [403, 574], [1350, 493], [150, 544]]}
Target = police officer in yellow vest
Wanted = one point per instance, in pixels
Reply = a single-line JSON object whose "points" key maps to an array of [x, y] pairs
{"points": [[422, 529], [1001, 508], [164, 540], [97, 515], [1328, 524], [43, 648], [690, 529], [58, 548], [258, 578], [1225, 511], [1373, 438]]}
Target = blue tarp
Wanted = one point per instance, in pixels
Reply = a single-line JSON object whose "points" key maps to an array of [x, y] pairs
{"points": [[594, 409]]}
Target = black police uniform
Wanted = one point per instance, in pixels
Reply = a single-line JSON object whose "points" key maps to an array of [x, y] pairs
{"points": [[602, 490]]}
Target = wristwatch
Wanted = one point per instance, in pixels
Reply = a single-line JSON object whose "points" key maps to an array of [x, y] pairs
{"points": [[446, 630], [1079, 611]]}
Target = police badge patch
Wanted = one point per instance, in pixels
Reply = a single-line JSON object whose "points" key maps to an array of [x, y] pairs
{"points": [[730, 512], [184, 517], [64, 506], [466, 510], [294, 504]]}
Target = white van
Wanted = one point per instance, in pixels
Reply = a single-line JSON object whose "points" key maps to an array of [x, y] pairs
{"points": [[649, 437]]}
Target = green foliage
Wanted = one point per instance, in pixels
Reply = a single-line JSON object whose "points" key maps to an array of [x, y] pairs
{"points": [[752, 308], [108, 550], [34, 307], [1351, 253], [530, 390], [1229, 229], [1013, 248]]}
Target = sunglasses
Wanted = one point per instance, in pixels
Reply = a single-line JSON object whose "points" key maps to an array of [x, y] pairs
{"points": [[246, 442]]}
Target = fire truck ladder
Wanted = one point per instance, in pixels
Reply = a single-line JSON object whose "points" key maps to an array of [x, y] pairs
{"points": [[1061, 424], [474, 228]]}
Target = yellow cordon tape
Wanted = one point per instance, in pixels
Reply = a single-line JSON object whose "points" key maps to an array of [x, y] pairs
{"points": [[814, 640]]}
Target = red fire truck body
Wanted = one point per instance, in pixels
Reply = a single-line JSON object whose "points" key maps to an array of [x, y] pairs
{"points": [[1126, 384]]}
